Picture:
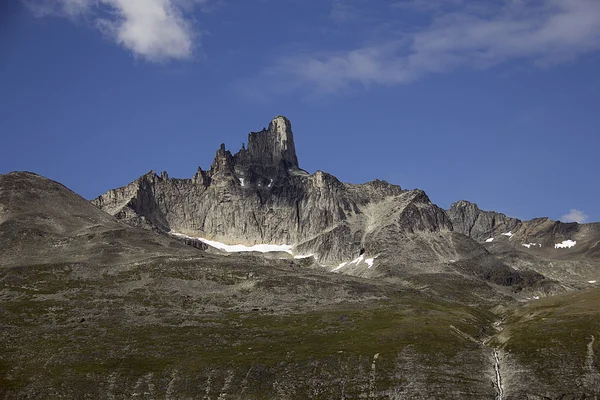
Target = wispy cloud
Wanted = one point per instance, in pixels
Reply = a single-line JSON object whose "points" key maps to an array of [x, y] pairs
{"points": [[574, 216], [466, 35], [343, 11], [425, 6], [156, 30]]}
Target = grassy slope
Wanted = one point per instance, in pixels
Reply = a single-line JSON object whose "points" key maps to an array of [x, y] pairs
{"points": [[68, 333], [548, 346]]}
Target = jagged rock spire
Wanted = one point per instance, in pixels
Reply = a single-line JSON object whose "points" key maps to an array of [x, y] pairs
{"points": [[270, 154], [222, 168], [273, 148]]}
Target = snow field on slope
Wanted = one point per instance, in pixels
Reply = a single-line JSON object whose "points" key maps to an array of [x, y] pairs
{"points": [[240, 248]]}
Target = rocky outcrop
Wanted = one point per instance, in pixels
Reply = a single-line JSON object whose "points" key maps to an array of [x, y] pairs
{"points": [[565, 252], [271, 152], [540, 233], [480, 225], [261, 195]]}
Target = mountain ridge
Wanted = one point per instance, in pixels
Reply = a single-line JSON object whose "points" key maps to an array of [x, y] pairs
{"points": [[260, 195], [108, 305]]}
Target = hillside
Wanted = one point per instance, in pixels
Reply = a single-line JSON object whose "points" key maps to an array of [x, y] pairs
{"points": [[369, 291]]}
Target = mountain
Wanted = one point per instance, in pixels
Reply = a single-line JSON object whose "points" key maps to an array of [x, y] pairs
{"points": [[255, 279], [93, 307], [568, 252], [260, 195], [42, 220], [481, 225]]}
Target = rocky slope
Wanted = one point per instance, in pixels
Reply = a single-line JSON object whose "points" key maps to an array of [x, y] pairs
{"points": [[42, 220], [112, 304], [260, 195], [91, 307], [568, 252], [481, 225]]}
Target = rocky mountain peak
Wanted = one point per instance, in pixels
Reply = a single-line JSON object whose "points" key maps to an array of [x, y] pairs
{"points": [[271, 151], [223, 160], [222, 168], [259, 195], [461, 204], [468, 219], [201, 178], [269, 157], [281, 125]]}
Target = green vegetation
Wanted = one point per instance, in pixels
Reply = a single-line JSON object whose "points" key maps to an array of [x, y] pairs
{"points": [[130, 325], [557, 331], [260, 329]]}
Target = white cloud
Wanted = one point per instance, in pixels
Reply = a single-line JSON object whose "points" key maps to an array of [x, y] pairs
{"points": [[468, 35], [574, 216], [156, 30]]}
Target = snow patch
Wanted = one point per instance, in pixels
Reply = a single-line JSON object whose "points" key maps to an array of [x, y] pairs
{"points": [[301, 256], [240, 248], [242, 182], [509, 234], [356, 261], [342, 265], [536, 297], [270, 183], [591, 281], [528, 245], [490, 240], [567, 244]]}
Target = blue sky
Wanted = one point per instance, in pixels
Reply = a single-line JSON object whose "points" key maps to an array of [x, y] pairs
{"points": [[496, 102]]}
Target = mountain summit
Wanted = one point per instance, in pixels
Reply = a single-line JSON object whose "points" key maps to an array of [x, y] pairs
{"points": [[456, 307], [270, 157], [271, 151], [260, 196]]}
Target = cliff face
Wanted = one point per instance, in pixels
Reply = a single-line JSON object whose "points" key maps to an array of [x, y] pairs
{"points": [[566, 252], [480, 225], [261, 195], [271, 152]]}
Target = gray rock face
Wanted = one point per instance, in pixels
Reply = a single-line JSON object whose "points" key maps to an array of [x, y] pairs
{"points": [[537, 244], [260, 195], [270, 152], [545, 233], [480, 225], [270, 156]]}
